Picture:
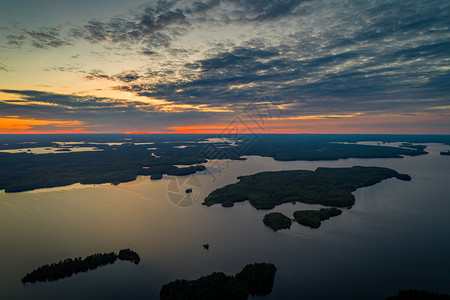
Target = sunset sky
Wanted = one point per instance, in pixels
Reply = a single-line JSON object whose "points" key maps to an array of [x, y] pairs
{"points": [[324, 66]]}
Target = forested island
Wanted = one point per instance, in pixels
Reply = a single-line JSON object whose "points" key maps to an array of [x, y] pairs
{"points": [[68, 267], [254, 279], [445, 152], [313, 218], [310, 218], [129, 157], [277, 221], [325, 186]]}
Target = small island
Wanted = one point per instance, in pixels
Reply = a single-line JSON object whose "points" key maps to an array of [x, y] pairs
{"points": [[156, 176], [254, 279], [277, 221], [68, 267], [445, 152], [313, 218]]}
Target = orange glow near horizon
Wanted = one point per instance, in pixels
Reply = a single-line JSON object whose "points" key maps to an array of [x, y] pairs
{"points": [[17, 125], [347, 124], [355, 124]]}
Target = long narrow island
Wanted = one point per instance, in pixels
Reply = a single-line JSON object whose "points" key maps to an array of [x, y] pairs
{"points": [[69, 266]]}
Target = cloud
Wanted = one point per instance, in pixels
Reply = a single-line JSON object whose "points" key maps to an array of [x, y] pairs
{"points": [[46, 37], [74, 103], [100, 114], [97, 74], [147, 52], [348, 80], [3, 67], [16, 40], [157, 25], [352, 56], [125, 77], [263, 10], [42, 37], [150, 26]]}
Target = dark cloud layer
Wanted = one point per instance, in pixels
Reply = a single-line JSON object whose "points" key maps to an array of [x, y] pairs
{"points": [[148, 26], [40, 38], [125, 77], [155, 25], [98, 113], [381, 56]]}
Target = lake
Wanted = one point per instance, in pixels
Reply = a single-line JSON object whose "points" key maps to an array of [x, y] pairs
{"points": [[396, 236]]}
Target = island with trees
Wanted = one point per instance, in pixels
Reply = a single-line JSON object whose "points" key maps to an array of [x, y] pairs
{"points": [[68, 267], [325, 186], [277, 221], [254, 279], [445, 153], [313, 218], [310, 218]]}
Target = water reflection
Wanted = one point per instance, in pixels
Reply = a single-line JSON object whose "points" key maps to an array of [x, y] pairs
{"points": [[395, 237]]}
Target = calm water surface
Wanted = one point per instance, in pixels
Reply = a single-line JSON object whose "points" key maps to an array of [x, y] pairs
{"points": [[397, 235]]}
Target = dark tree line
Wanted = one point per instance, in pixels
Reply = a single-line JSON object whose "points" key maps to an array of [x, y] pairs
{"points": [[254, 279], [326, 186], [69, 266]]}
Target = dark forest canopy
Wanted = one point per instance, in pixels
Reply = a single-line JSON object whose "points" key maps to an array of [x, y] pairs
{"points": [[68, 267], [131, 157], [277, 221], [325, 186], [254, 279], [313, 218], [310, 218]]}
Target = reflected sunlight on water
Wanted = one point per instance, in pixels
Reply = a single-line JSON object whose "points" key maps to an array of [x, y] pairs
{"points": [[395, 237]]}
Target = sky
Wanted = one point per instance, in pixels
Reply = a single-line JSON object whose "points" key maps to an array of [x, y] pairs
{"points": [[283, 66]]}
